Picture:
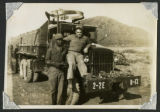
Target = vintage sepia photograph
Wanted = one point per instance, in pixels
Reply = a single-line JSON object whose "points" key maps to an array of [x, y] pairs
{"points": [[80, 55]]}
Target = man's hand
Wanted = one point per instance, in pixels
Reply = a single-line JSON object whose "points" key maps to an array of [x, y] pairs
{"points": [[85, 50]]}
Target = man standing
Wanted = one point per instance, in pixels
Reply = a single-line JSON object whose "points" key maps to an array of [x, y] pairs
{"points": [[78, 44], [55, 60]]}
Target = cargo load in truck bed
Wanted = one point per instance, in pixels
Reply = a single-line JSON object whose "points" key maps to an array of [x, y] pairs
{"points": [[35, 37]]}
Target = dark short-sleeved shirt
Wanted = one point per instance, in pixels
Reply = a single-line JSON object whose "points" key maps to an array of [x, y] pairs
{"points": [[76, 43], [56, 54]]}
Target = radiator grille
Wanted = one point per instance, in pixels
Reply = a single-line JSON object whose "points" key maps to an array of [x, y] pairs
{"points": [[101, 61]]}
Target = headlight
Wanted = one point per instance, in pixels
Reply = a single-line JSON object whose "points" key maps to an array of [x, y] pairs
{"points": [[34, 50], [86, 59]]}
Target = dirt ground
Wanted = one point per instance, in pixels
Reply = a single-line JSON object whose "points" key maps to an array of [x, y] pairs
{"points": [[38, 92]]}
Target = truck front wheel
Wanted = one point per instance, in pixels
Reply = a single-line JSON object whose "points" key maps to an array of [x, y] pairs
{"points": [[119, 89]]}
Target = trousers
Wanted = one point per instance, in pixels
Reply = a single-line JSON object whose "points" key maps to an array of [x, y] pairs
{"points": [[56, 80], [74, 58], [73, 93]]}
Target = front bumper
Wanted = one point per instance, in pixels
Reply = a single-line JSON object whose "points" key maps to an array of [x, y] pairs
{"points": [[106, 84]]}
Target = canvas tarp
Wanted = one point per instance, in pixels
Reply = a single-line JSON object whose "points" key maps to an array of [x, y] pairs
{"points": [[35, 37]]}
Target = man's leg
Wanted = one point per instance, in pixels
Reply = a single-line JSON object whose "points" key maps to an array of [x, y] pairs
{"points": [[75, 98], [53, 84], [69, 95], [70, 76], [72, 65], [81, 65], [76, 92], [60, 88], [71, 69]]}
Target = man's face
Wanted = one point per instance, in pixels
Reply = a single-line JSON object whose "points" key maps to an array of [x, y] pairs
{"points": [[59, 42], [79, 33]]}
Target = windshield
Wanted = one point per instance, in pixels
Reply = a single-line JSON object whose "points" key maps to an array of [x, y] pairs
{"points": [[92, 36]]}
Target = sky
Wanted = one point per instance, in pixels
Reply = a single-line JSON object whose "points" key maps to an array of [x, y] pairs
{"points": [[31, 16]]}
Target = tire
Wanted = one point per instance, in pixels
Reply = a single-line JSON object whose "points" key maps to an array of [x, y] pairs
{"points": [[123, 88], [35, 76], [22, 68], [119, 90], [29, 72]]}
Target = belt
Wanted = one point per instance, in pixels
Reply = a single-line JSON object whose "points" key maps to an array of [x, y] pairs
{"points": [[75, 51]]}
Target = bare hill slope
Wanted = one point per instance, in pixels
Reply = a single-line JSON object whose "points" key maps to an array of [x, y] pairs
{"points": [[114, 33]]}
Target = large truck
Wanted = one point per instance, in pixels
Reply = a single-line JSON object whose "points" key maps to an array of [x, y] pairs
{"points": [[100, 61]]}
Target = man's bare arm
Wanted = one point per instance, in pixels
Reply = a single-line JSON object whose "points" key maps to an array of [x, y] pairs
{"points": [[68, 38], [85, 50]]}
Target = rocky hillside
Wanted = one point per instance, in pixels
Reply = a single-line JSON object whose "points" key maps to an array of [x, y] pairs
{"points": [[114, 33]]}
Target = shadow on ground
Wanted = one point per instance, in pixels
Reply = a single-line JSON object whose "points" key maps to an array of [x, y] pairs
{"points": [[115, 97], [130, 96], [109, 97], [42, 78]]}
